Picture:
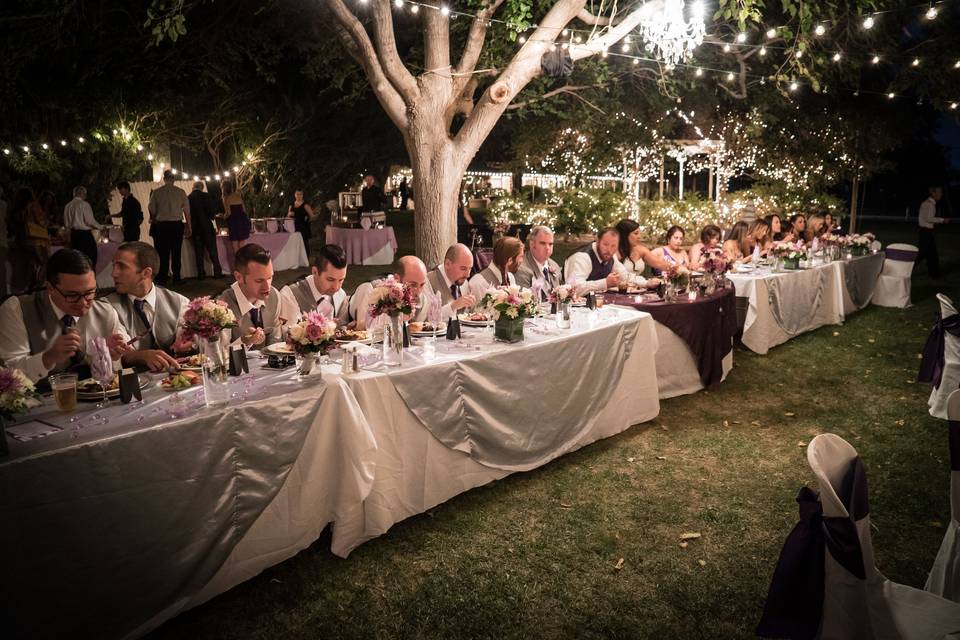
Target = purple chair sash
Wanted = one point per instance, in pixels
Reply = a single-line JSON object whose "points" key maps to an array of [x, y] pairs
{"points": [[931, 367], [794, 605], [902, 255]]}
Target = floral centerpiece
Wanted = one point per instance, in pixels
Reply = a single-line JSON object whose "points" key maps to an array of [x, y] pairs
{"points": [[509, 306], [393, 300], [830, 239], [313, 334], [860, 243], [562, 297], [714, 264], [678, 275], [206, 320], [791, 253], [17, 396]]}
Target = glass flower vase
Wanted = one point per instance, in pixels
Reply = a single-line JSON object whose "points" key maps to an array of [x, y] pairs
{"points": [[563, 315], [216, 370], [393, 342]]}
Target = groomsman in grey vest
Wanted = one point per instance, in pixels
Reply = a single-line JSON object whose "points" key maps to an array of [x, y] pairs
{"points": [[149, 313], [325, 283], [507, 258], [253, 300], [537, 262], [408, 270], [449, 280], [48, 331]]}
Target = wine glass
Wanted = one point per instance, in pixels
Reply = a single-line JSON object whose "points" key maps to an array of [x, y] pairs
{"points": [[101, 369]]}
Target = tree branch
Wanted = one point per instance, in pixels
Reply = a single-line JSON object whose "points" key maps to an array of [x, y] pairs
{"points": [[474, 44], [567, 88], [393, 67], [436, 42], [588, 18]]}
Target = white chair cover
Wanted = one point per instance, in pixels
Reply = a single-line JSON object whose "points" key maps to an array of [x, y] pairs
{"points": [[893, 284], [873, 608], [944, 578], [951, 364]]}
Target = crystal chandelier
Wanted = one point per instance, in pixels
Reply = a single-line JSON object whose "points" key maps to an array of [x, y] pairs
{"points": [[666, 31]]}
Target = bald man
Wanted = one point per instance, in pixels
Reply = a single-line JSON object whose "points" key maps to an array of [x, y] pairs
{"points": [[409, 270], [449, 280]]}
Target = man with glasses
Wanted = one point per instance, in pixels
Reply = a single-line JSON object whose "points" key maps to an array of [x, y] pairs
{"points": [[151, 314], [48, 331]]}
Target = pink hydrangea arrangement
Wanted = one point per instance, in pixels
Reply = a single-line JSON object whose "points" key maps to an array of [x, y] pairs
{"points": [[391, 298], [206, 317], [313, 334], [714, 261]]}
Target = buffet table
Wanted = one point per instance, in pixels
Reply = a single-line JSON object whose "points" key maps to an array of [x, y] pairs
{"points": [[781, 306], [123, 525], [695, 339], [482, 410], [364, 246]]}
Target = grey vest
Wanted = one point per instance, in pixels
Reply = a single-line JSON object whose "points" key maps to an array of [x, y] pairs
{"points": [[303, 294], [43, 326], [491, 277], [166, 318], [529, 271], [270, 314], [439, 285]]}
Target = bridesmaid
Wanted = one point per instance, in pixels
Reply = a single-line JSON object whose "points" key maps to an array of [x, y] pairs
{"points": [[634, 255], [709, 239], [238, 222], [302, 213], [672, 252]]}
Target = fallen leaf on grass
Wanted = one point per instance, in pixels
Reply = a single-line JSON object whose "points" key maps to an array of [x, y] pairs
{"points": [[661, 457], [900, 423], [664, 427], [919, 356], [936, 524], [619, 564], [566, 506], [726, 424], [911, 381], [871, 340], [702, 563], [736, 422], [684, 545], [789, 414], [689, 536], [836, 333], [755, 423], [630, 459], [801, 444]]}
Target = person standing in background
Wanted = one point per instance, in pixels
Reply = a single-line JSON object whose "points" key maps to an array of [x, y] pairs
{"points": [[131, 213], [80, 223], [404, 191], [238, 222], [169, 212], [302, 213], [926, 241], [371, 195], [203, 212]]}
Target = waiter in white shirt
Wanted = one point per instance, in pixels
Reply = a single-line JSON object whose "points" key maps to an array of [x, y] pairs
{"points": [[597, 268], [79, 221], [926, 242]]}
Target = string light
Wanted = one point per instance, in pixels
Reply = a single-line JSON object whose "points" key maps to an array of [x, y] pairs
{"points": [[890, 96], [63, 143], [26, 149], [953, 105], [45, 146], [413, 9], [726, 48], [876, 60], [763, 51], [799, 53], [6, 152], [956, 65], [794, 86], [771, 33], [398, 4], [730, 77], [523, 39], [916, 62], [820, 30], [698, 72], [81, 140], [931, 12], [741, 37], [836, 57], [445, 10], [625, 47], [868, 23]]}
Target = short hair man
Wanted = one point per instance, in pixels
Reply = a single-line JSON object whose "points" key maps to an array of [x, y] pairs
{"points": [[448, 279], [596, 266], [169, 224], [150, 313], [324, 284], [253, 300], [203, 212], [131, 213], [926, 241], [47, 331], [371, 195], [79, 221], [409, 270], [507, 257], [537, 263]]}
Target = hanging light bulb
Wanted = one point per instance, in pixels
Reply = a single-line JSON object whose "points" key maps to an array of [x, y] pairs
{"points": [[953, 105], [26, 149], [794, 86], [931, 12], [868, 22], [577, 39], [726, 48], [63, 143], [445, 10], [173, 171], [81, 140], [771, 33], [196, 178], [603, 54], [398, 4], [741, 37], [763, 51], [45, 146], [890, 96], [956, 65], [636, 61], [820, 30], [730, 77], [698, 72], [876, 60], [916, 62], [415, 8], [6, 152], [139, 147], [836, 57], [150, 156], [523, 39], [799, 53], [565, 33], [625, 47]]}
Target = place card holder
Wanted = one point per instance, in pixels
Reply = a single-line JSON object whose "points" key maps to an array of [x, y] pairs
{"points": [[554, 308], [129, 386], [406, 335], [591, 301], [238, 360], [453, 328]]}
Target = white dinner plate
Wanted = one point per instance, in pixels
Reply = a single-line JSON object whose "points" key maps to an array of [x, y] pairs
{"points": [[476, 323], [439, 331], [111, 393], [278, 349]]}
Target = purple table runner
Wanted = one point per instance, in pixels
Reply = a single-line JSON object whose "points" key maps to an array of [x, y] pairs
{"points": [[707, 324]]}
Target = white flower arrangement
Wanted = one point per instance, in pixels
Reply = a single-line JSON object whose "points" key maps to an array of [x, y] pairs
{"points": [[511, 301]]}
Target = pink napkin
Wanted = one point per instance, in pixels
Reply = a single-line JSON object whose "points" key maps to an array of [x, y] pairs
{"points": [[536, 287], [101, 362], [325, 308], [434, 302]]}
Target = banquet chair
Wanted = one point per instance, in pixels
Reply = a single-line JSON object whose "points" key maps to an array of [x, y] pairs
{"points": [[893, 284], [848, 597], [944, 578], [950, 379]]}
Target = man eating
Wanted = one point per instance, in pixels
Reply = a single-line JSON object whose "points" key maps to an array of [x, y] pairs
{"points": [[253, 300], [325, 283], [449, 278]]}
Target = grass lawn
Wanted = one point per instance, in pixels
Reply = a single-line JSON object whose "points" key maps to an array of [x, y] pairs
{"points": [[538, 554]]}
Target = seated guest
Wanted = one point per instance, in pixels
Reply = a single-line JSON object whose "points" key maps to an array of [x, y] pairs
{"points": [[709, 239], [253, 300], [758, 235], [798, 222], [449, 279], [631, 251], [507, 257], [48, 331], [328, 272], [597, 268], [815, 228], [777, 231], [408, 270], [537, 262], [736, 245], [672, 252], [148, 312], [829, 224]]}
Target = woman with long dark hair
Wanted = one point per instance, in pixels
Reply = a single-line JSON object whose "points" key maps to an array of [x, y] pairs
{"points": [[635, 255]]}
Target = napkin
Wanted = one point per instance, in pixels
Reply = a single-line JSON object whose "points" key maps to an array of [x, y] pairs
{"points": [[101, 362], [434, 302], [365, 222], [536, 287], [756, 254], [325, 308], [816, 244]]}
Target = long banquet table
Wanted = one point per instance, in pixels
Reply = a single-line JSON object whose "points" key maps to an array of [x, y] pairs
{"points": [[126, 524], [781, 306]]}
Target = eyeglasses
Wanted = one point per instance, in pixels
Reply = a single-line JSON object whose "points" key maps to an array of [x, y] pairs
{"points": [[89, 296]]}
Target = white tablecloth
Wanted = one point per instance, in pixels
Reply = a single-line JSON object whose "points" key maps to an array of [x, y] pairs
{"points": [[677, 373], [415, 471], [784, 305]]}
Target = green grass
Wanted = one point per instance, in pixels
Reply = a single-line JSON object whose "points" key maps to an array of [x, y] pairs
{"points": [[534, 555]]}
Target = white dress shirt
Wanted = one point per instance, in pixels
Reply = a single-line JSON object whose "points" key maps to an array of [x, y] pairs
{"points": [[479, 285], [245, 305], [150, 304], [578, 266], [78, 216], [446, 311], [928, 214]]}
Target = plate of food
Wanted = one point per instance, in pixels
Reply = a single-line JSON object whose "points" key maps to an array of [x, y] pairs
{"points": [[183, 379], [191, 363], [475, 319], [90, 389], [344, 334], [278, 349], [427, 329]]}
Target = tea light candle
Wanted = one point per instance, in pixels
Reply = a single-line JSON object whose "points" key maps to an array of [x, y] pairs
{"points": [[848, 256], [691, 295]]}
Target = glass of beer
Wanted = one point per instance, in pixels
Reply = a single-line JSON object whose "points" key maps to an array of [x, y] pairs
{"points": [[64, 386], [600, 300]]}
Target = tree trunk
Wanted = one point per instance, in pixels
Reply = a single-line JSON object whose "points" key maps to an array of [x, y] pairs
{"points": [[855, 192]]}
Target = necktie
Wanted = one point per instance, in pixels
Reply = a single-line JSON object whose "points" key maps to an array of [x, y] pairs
{"points": [[138, 309], [546, 275], [66, 322], [454, 291], [255, 318]]}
